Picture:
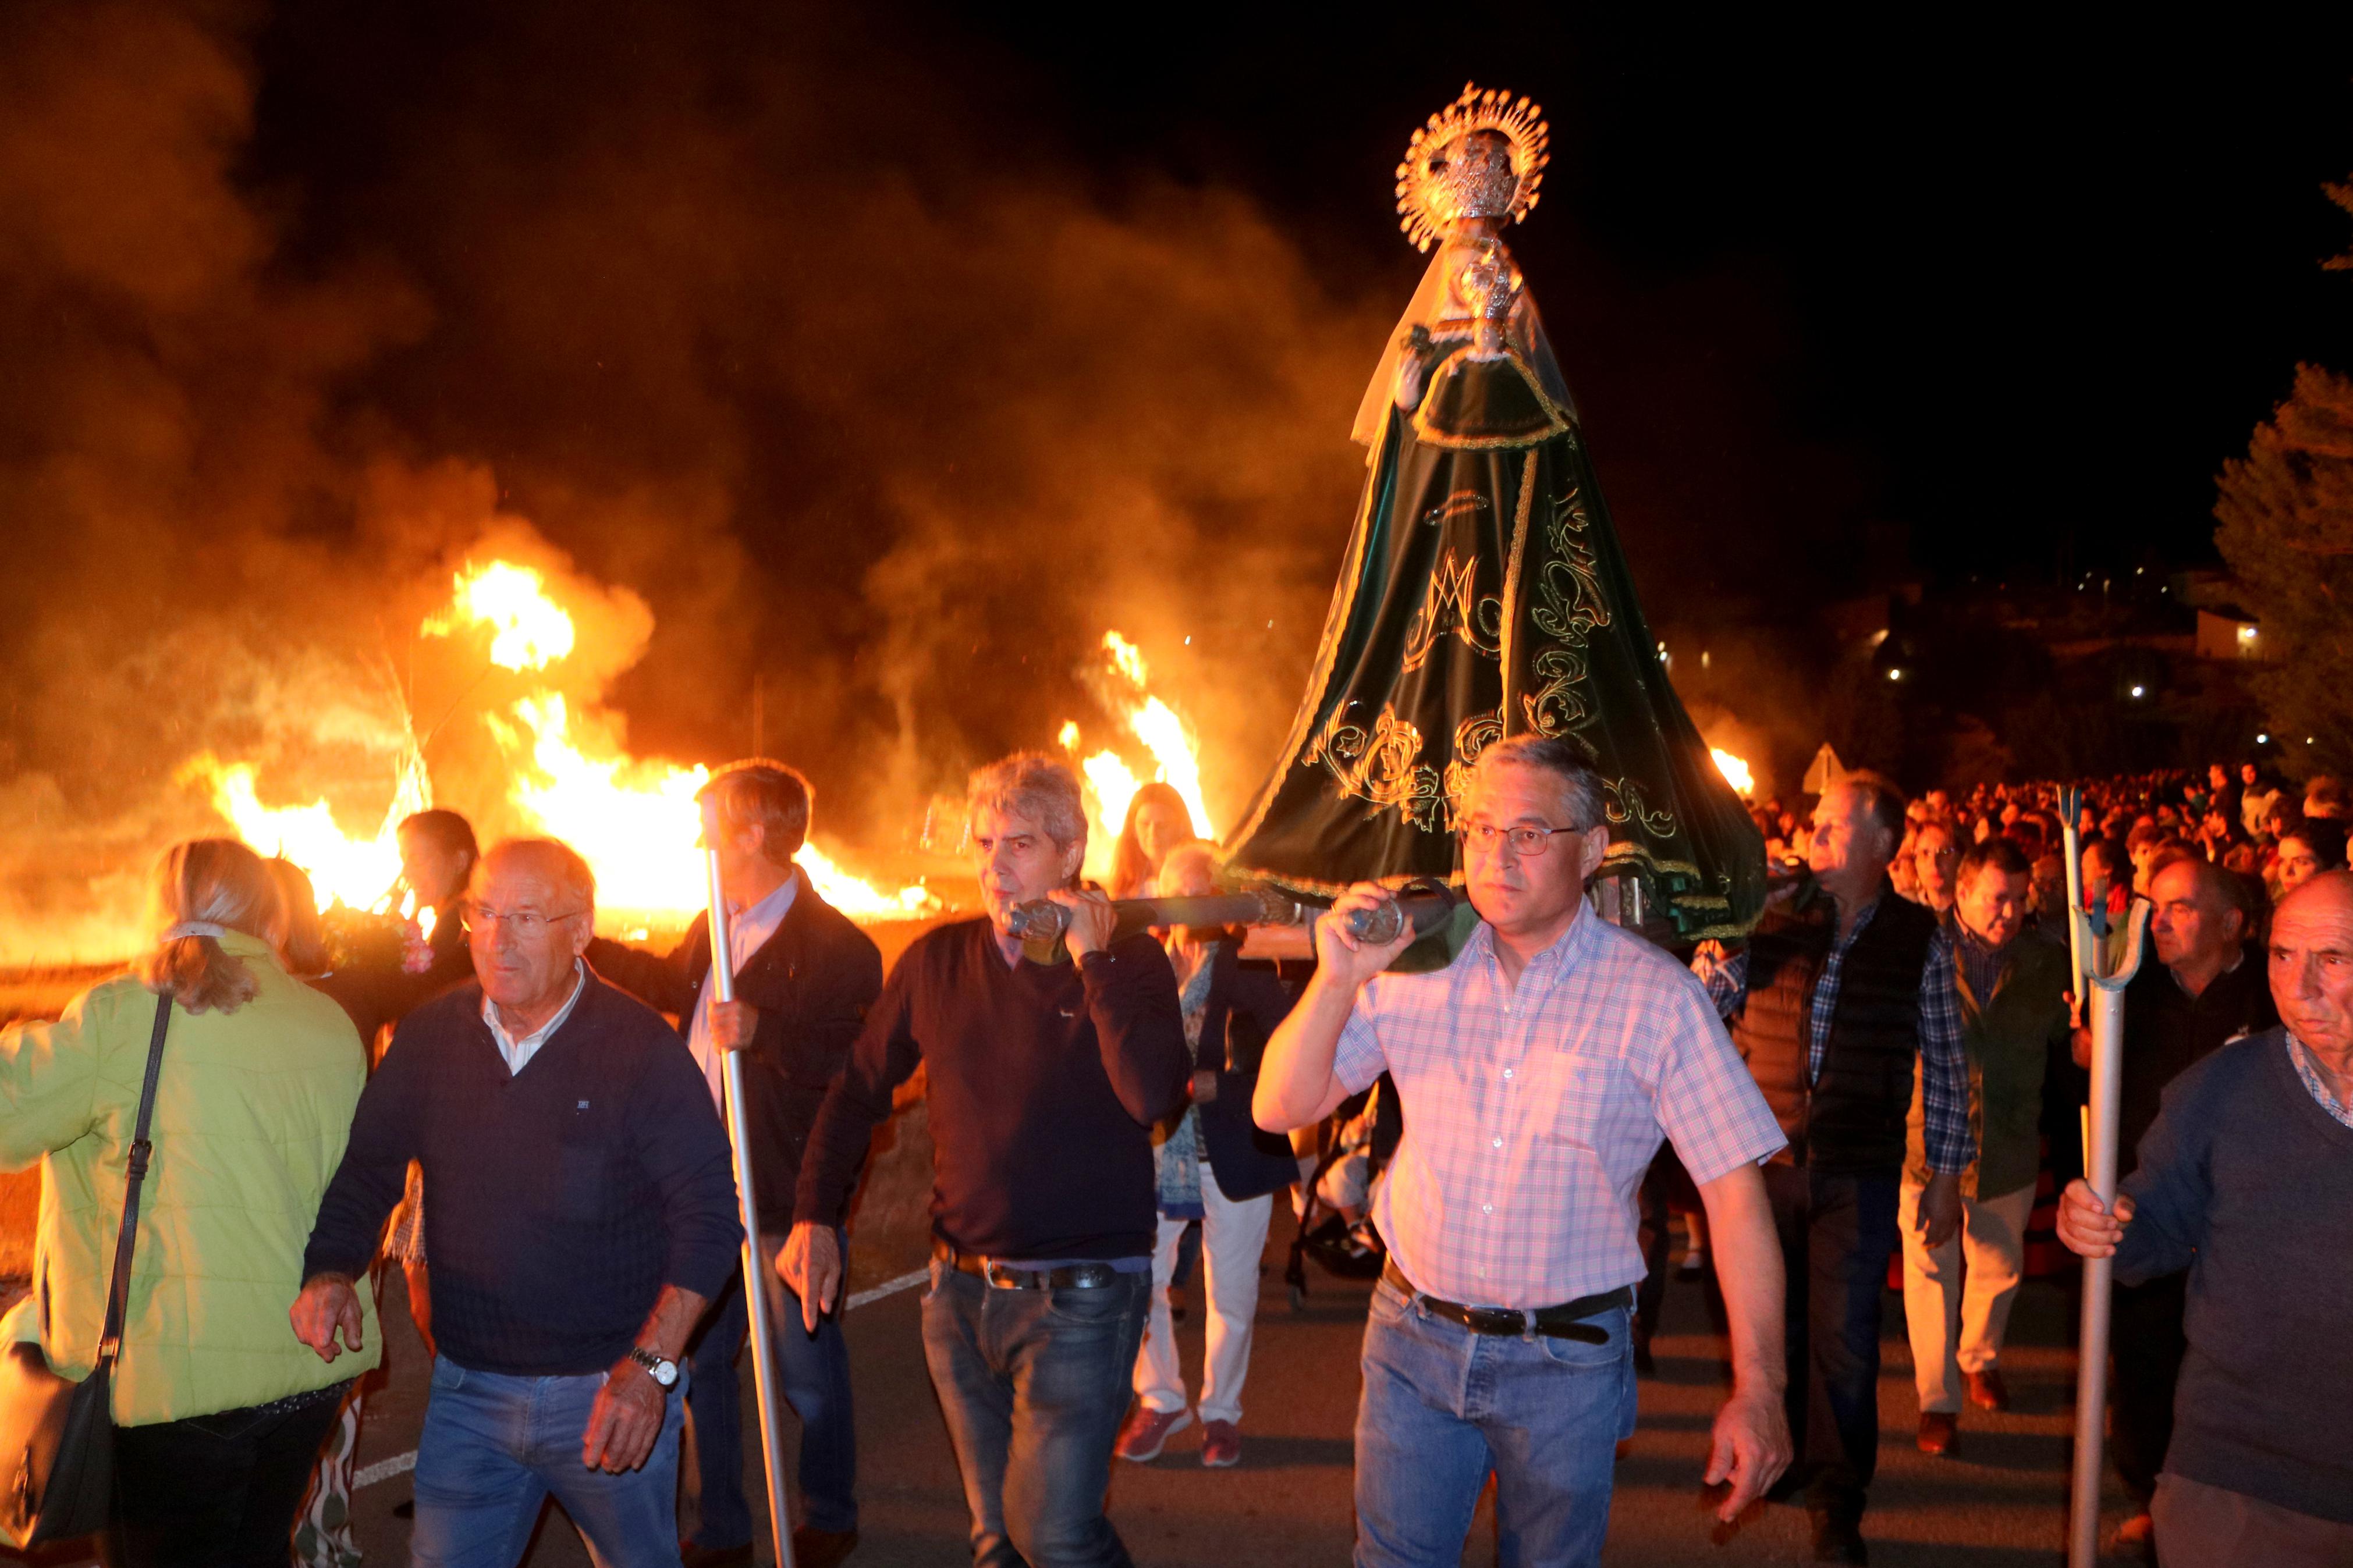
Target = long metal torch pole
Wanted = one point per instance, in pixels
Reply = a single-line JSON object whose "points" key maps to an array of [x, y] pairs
{"points": [[2107, 1015], [766, 1378]]}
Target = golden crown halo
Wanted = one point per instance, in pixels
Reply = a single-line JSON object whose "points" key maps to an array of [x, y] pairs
{"points": [[1443, 178]]}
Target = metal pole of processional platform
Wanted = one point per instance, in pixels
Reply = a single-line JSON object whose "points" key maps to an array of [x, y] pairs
{"points": [[767, 1377]]}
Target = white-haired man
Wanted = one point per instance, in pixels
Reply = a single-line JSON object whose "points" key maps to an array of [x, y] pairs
{"points": [[2253, 1146], [1538, 1073], [1044, 1080]]}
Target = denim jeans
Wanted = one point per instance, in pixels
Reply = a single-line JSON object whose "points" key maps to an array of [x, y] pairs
{"points": [[494, 1448], [1837, 1233], [1034, 1384], [1442, 1406], [814, 1371], [214, 1489]]}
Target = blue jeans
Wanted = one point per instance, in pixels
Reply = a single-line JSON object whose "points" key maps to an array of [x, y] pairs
{"points": [[1442, 1406], [1837, 1233], [814, 1371], [494, 1448], [1034, 1384]]}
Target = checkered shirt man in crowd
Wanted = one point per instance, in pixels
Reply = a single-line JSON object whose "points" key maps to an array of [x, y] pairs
{"points": [[1538, 1073]]}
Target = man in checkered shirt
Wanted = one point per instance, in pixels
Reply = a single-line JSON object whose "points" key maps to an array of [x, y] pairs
{"points": [[1844, 1006], [1537, 1073]]}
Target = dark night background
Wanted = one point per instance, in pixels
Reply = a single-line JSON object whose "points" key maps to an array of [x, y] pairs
{"points": [[892, 357]]}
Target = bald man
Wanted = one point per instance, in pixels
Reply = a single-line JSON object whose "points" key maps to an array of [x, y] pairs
{"points": [[2253, 1151], [2205, 989], [580, 1197]]}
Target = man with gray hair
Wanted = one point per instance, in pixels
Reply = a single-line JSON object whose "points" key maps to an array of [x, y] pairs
{"points": [[1843, 1000], [1538, 1073], [582, 1205], [1045, 1080]]}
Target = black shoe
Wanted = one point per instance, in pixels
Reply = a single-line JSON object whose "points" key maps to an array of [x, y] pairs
{"points": [[822, 1548], [1838, 1539], [693, 1556]]}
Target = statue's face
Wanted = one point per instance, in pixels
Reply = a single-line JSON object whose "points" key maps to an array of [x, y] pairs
{"points": [[1475, 174]]}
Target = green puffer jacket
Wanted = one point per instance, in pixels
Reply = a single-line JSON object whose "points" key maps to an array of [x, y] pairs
{"points": [[2008, 1037], [252, 1114]]}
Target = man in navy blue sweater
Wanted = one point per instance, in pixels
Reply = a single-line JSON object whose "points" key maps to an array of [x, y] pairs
{"points": [[2253, 1146], [1044, 1080], [582, 1205]]}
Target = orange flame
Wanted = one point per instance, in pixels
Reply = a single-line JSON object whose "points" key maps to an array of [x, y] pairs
{"points": [[635, 821], [1111, 783], [1734, 771]]}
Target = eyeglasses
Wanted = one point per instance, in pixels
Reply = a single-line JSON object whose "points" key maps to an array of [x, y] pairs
{"points": [[1525, 842], [481, 921]]}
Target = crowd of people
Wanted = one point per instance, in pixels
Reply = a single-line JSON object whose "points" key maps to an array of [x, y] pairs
{"points": [[1890, 1065]]}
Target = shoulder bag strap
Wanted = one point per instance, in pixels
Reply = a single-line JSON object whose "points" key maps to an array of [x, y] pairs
{"points": [[117, 1294]]}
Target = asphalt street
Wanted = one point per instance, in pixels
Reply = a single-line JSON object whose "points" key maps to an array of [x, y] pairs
{"points": [[2000, 1501]]}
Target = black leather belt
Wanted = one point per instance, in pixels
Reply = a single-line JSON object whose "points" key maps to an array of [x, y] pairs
{"points": [[1069, 1277], [1565, 1321]]}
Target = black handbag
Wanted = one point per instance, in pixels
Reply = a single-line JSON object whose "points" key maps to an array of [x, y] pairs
{"points": [[56, 1437]]}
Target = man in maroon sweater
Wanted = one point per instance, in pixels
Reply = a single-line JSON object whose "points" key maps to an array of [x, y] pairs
{"points": [[1045, 1080]]}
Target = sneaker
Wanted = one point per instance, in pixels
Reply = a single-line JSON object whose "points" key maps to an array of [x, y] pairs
{"points": [[1146, 1432], [1222, 1444]]}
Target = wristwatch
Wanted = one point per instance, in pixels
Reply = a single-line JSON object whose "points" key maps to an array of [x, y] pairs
{"points": [[664, 1372]]}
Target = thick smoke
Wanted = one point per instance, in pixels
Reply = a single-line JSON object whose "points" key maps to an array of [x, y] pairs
{"points": [[860, 396]]}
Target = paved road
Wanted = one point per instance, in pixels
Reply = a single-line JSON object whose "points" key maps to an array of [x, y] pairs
{"points": [[2002, 1502]]}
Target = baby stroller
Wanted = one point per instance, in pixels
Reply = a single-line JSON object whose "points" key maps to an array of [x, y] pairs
{"points": [[1354, 1146]]}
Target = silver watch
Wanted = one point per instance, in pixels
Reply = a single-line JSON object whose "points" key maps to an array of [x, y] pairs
{"points": [[664, 1372]]}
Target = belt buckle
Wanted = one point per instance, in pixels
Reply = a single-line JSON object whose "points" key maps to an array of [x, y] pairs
{"points": [[988, 1267], [1498, 1320]]}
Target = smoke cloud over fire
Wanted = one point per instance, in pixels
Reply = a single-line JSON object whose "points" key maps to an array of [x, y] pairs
{"points": [[867, 409]]}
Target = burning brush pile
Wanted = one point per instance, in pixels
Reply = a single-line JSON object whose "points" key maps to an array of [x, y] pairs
{"points": [[499, 712]]}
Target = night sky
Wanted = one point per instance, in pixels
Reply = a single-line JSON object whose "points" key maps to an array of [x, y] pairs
{"points": [[892, 356]]}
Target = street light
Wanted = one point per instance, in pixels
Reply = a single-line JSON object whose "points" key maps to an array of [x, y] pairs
{"points": [[2140, 691]]}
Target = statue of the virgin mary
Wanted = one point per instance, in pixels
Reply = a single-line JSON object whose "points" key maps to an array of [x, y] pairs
{"points": [[1483, 593]]}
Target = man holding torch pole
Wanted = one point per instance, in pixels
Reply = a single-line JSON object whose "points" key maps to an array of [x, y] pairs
{"points": [[769, 1032]]}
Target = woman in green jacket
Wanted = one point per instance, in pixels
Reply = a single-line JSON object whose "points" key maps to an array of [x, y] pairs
{"points": [[221, 1408]]}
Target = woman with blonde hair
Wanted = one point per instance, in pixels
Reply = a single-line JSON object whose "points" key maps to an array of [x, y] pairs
{"points": [[219, 1408]]}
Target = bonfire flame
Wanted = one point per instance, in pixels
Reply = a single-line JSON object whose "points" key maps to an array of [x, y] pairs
{"points": [[635, 821], [1111, 783], [1734, 771]]}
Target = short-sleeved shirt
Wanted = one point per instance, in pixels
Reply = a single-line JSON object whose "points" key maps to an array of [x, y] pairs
{"points": [[1531, 1114]]}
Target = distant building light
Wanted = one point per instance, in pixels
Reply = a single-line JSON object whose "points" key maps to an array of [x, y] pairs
{"points": [[1703, 659], [2138, 571], [2140, 691], [2246, 634], [1894, 675], [2308, 740], [1664, 656], [2262, 739], [1879, 636]]}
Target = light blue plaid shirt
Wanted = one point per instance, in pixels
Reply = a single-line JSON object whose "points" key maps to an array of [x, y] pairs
{"points": [[1950, 1144], [1531, 1111]]}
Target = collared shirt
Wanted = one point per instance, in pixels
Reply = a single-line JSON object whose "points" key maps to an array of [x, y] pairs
{"points": [[518, 1052], [748, 931], [1531, 1113], [2313, 1084], [1943, 1065], [1981, 962]]}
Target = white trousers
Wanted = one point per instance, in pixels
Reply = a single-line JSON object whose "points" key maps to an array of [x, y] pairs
{"points": [[1957, 1297], [1233, 1238]]}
